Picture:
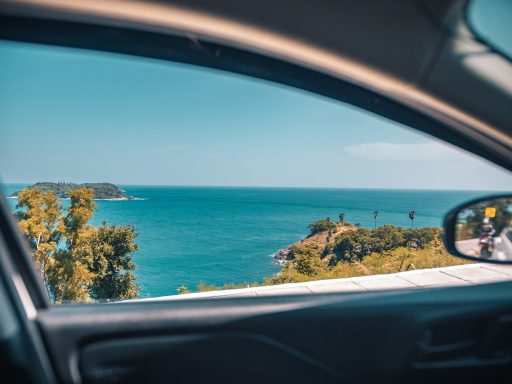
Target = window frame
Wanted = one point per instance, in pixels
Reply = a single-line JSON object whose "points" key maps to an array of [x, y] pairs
{"points": [[479, 36], [182, 49]]}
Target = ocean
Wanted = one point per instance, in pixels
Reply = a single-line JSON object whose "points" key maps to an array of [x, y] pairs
{"points": [[219, 235]]}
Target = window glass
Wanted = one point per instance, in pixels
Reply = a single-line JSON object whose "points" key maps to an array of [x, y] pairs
{"points": [[490, 19], [138, 178]]}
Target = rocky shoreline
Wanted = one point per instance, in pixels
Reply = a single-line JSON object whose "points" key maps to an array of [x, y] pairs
{"points": [[320, 239], [282, 255]]}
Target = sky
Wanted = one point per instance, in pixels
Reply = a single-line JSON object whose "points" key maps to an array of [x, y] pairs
{"points": [[82, 116]]}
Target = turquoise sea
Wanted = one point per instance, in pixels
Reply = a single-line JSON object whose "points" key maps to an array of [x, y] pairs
{"points": [[218, 235]]}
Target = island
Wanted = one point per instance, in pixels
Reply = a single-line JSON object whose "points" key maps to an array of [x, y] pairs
{"points": [[102, 191]]}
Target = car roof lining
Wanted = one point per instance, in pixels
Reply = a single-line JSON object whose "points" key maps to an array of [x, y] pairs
{"points": [[381, 45]]}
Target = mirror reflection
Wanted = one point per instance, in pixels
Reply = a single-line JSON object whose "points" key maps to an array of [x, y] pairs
{"points": [[484, 229]]}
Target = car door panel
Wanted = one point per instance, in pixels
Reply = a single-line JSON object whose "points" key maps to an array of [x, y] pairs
{"points": [[380, 337], [220, 357]]}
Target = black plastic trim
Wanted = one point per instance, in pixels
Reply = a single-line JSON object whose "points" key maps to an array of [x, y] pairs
{"points": [[21, 256], [21, 348]]}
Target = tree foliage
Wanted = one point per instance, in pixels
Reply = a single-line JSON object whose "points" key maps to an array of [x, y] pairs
{"points": [[321, 226], [77, 261], [63, 190], [38, 220], [356, 252], [363, 252], [306, 260], [112, 263], [353, 246]]}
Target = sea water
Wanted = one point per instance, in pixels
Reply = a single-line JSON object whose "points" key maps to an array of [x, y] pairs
{"points": [[218, 235]]}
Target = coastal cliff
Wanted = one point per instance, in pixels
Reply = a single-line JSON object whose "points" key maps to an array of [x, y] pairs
{"points": [[324, 239]]}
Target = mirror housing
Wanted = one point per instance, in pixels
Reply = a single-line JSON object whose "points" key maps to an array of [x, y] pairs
{"points": [[481, 230]]}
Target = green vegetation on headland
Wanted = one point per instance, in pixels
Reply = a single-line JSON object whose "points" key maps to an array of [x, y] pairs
{"points": [[338, 250], [349, 251], [77, 261], [102, 191]]}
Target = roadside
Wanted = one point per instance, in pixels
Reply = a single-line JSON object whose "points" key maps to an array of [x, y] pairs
{"points": [[425, 278]]}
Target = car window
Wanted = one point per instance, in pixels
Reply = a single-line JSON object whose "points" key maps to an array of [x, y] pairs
{"points": [[490, 20], [138, 178]]}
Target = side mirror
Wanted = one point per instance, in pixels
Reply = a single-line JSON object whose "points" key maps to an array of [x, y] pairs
{"points": [[481, 230]]}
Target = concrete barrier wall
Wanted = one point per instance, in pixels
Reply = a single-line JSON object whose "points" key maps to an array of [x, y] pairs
{"points": [[477, 273]]}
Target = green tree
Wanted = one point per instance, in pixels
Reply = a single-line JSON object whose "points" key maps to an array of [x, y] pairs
{"points": [[375, 216], [71, 274], [112, 263], [386, 238], [412, 216], [421, 237], [74, 224], [342, 217], [78, 262], [354, 245], [321, 226], [307, 260]]}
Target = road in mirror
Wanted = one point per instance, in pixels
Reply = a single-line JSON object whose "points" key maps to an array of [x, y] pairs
{"points": [[484, 229]]}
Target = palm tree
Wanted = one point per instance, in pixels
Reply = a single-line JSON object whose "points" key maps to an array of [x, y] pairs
{"points": [[412, 216], [342, 217], [375, 215]]}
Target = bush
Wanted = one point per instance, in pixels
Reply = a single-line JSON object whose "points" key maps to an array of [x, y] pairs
{"points": [[353, 246], [361, 252], [307, 261], [204, 287], [182, 289], [321, 226]]}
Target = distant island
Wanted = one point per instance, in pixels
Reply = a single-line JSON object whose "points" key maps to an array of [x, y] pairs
{"points": [[102, 191]]}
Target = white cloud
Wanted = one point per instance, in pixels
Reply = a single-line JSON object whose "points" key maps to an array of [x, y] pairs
{"points": [[425, 151]]}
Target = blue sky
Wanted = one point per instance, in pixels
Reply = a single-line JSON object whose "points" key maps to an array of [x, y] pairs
{"points": [[72, 115]]}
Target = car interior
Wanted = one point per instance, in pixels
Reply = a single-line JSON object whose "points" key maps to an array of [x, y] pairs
{"points": [[415, 62]]}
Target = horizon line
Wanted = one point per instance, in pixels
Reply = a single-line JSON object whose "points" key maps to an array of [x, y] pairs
{"points": [[272, 186]]}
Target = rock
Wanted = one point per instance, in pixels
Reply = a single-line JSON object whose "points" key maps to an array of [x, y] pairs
{"points": [[282, 255]]}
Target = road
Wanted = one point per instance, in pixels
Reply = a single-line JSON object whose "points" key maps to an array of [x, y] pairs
{"points": [[502, 246]]}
